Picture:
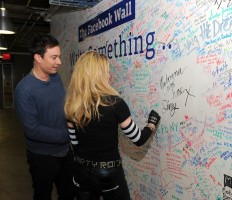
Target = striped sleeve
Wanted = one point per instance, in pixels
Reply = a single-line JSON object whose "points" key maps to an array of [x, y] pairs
{"points": [[72, 135], [137, 136]]}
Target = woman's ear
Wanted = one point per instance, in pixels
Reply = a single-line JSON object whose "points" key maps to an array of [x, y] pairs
{"points": [[37, 58]]}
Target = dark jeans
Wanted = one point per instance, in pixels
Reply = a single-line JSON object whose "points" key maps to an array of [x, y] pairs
{"points": [[91, 183], [46, 170]]}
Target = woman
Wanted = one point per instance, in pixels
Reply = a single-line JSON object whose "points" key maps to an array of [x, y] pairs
{"points": [[94, 110]]}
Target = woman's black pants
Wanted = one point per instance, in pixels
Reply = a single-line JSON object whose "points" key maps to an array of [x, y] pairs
{"points": [[91, 183]]}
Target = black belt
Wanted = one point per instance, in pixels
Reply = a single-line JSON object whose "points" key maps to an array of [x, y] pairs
{"points": [[95, 164]]}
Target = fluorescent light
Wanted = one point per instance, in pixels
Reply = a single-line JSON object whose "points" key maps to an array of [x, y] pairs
{"points": [[6, 27]]}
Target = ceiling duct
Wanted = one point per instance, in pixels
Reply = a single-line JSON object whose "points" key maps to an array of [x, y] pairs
{"points": [[75, 3]]}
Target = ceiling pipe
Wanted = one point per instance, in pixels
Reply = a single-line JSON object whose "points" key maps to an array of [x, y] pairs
{"points": [[12, 44], [22, 28], [28, 3], [30, 28], [53, 10]]}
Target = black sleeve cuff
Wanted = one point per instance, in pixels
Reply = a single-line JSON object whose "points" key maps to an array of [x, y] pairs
{"points": [[145, 135]]}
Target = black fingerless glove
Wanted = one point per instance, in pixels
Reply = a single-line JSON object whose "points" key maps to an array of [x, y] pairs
{"points": [[154, 118]]}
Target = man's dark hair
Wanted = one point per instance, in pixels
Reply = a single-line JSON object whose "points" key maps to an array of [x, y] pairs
{"points": [[41, 43]]}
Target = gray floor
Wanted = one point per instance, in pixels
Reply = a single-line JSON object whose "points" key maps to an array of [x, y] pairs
{"points": [[15, 180]]}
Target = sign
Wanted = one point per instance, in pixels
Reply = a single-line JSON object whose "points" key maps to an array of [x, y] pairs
{"points": [[119, 14]]}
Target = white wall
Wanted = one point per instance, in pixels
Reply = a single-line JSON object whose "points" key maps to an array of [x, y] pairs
{"points": [[188, 81]]}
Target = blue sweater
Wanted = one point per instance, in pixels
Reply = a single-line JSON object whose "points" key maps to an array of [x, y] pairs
{"points": [[39, 106]]}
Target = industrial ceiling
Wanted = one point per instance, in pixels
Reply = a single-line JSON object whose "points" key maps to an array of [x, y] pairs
{"points": [[31, 17]]}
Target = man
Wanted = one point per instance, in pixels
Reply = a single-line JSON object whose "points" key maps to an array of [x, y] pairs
{"points": [[39, 102]]}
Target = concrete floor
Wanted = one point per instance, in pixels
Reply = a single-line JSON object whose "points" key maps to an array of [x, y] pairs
{"points": [[15, 180]]}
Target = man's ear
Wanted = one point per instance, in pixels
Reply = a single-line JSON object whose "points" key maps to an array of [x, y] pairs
{"points": [[37, 58]]}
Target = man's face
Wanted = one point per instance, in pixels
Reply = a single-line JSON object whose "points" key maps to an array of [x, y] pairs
{"points": [[51, 62]]}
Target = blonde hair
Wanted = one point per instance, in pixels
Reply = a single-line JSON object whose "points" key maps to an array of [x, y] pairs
{"points": [[88, 86]]}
